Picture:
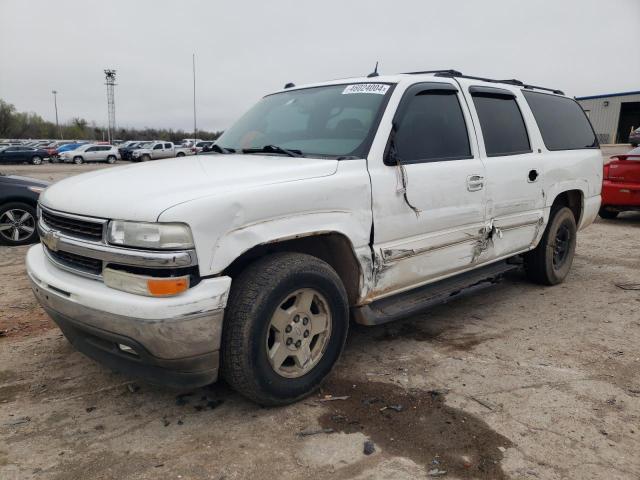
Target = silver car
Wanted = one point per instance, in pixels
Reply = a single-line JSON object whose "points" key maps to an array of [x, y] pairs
{"points": [[91, 153]]}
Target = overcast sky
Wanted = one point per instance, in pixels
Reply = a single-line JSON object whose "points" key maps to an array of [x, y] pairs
{"points": [[245, 49]]}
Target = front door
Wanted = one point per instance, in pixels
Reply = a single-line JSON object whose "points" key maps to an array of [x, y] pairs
{"points": [[428, 191]]}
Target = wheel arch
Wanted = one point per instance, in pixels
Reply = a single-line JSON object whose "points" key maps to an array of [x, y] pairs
{"points": [[333, 248], [573, 199]]}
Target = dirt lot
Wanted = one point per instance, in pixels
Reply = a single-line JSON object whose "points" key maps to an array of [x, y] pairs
{"points": [[519, 381]]}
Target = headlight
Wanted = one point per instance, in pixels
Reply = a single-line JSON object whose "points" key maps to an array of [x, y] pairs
{"points": [[164, 236], [36, 189]]}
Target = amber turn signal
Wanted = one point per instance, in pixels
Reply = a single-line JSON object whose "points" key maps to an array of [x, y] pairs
{"points": [[164, 287]]}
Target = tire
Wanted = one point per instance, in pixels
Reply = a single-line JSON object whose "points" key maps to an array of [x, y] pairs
{"points": [[145, 158], [111, 159], [27, 231], [78, 160], [608, 214], [257, 295], [180, 154], [36, 160], [544, 265]]}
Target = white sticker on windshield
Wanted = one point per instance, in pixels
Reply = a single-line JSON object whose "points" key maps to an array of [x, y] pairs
{"points": [[379, 88]]}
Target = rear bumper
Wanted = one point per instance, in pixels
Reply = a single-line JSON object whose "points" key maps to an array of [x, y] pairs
{"points": [[172, 341], [622, 195]]}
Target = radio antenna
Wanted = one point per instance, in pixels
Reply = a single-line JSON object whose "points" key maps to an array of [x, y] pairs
{"points": [[374, 73]]}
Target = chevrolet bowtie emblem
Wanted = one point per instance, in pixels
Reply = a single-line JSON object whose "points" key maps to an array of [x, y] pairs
{"points": [[50, 239]]}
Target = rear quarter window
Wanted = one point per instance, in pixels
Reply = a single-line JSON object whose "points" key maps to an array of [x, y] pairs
{"points": [[562, 122]]}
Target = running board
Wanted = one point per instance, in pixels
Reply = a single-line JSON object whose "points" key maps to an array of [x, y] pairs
{"points": [[419, 299]]}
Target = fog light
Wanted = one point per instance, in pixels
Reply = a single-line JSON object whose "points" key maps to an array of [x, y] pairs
{"points": [[143, 284]]}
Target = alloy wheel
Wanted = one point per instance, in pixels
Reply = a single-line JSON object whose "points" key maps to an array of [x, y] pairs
{"points": [[298, 333], [17, 225]]}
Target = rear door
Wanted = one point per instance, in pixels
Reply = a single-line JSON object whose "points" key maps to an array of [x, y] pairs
{"points": [[509, 146], [428, 189]]}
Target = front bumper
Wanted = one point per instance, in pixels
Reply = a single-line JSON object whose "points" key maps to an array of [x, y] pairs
{"points": [[172, 341]]}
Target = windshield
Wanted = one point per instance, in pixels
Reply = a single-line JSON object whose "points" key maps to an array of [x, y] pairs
{"points": [[146, 144], [336, 120]]}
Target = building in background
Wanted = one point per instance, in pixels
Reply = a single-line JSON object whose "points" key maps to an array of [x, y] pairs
{"points": [[613, 115]]}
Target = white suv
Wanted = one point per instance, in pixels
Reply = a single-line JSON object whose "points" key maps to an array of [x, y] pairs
{"points": [[369, 198], [91, 153]]}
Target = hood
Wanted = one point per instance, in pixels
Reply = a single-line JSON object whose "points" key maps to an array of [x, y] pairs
{"points": [[142, 191], [22, 181]]}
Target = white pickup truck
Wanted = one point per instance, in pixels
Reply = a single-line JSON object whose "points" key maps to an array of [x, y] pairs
{"points": [[364, 198], [159, 149]]}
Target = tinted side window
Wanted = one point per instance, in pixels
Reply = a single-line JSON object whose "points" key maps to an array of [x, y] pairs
{"points": [[432, 128], [158, 147], [502, 125], [167, 145], [562, 122]]}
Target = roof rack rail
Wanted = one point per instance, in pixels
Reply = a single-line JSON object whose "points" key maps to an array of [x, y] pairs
{"points": [[513, 81], [450, 72]]}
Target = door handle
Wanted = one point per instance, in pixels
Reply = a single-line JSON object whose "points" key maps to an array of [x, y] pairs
{"points": [[475, 183], [533, 175]]}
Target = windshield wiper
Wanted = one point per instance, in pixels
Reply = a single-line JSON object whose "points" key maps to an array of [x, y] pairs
{"points": [[217, 148], [274, 149]]}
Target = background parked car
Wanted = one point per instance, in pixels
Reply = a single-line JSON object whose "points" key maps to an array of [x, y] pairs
{"points": [[19, 154], [127, 148], [91, 153], [159, 149], [621, 184], [634, 137], [18, 200], [202, 146]]}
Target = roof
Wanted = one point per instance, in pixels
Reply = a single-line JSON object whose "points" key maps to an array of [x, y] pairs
{"points": [[606, 95]]}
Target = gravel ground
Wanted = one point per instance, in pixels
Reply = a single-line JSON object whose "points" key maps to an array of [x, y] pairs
{"points": [[519, 381]]}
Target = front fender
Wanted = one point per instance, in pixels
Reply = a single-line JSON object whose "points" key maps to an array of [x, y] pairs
{"points": [[226, 225]]}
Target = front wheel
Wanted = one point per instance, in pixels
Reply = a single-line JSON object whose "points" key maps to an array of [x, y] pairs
{"points": [[285, 327], [145, 158], [36, 160], [111, 159], [549, 263], [78, 160]]}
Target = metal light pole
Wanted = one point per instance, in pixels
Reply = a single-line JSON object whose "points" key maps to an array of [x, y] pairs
{"points": [[110, 82], [195, 130], [55, 104]]}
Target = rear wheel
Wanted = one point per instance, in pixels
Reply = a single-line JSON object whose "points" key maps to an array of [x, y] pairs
{"points": [[17, 224], [180, 154], [608, 214], [78, 160], [36, 160], [111, 159], [285, 327], [549, 263]]}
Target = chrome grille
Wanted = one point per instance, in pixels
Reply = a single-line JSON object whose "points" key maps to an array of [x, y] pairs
{"points": [[88, 265], [73, 226]]}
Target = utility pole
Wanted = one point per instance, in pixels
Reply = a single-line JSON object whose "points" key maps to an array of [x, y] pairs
{"points": [[110, 82], [55, 104], [195, 130]]}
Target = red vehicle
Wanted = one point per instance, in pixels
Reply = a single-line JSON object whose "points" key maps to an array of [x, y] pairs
{"points": [[621, 184]]}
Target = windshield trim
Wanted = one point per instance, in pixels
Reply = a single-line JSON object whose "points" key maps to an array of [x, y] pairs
{"points": [[362, 151]]}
